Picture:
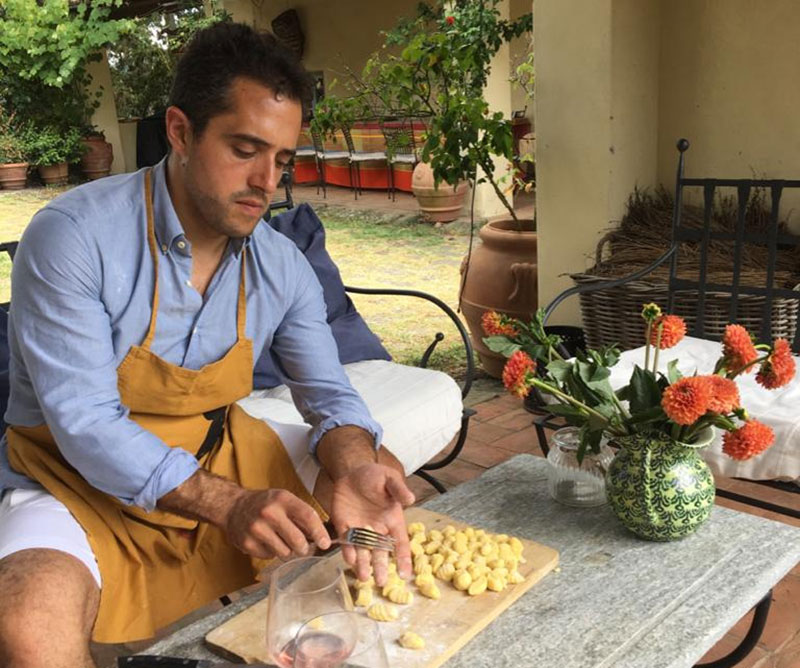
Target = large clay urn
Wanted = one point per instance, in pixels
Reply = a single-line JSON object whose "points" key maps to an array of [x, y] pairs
{"points": [[13, 176], [96, 162], [54, 175], [438, 205], [500, 276]]}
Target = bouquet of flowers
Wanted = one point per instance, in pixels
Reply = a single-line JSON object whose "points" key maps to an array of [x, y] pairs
{"points": [[666, 406]]}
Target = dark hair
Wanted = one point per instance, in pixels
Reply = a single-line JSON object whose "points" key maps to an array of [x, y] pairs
{"points": [[220, 53]]}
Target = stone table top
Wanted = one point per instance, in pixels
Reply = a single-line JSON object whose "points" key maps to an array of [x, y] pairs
{"points": [[617, 600]]}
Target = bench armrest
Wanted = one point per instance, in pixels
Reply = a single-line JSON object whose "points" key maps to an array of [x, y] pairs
{"points": [[439, 336]]}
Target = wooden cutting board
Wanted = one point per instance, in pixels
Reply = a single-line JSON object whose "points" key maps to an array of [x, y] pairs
{"points": [[446, 625]]}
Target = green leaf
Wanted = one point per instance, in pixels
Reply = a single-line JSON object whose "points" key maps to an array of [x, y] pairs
{"points": [[644, 391], [501, 345], [673, 374]]}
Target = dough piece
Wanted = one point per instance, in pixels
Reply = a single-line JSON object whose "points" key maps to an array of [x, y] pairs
{"points": [[400, 594], [433, 546], [423, 579], [516, 546], [423, 568], [416, 548], [477, 587], [363, 597], [496, 563], [381, 612], [436, 561], [501, 538], [317, 623], [446, 572], [462, 580], [418, 537], [430, 590], [411, 640], [416, 527], [495, 582], [464, 561], [435, 534], [391, 583], [515, 577], [449, 530]]}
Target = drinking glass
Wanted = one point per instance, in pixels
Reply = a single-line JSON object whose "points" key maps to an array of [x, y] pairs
{"points": [[340, 640], [301, 590]]}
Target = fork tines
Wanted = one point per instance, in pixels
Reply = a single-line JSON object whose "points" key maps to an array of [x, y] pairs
{"points": [[370, 539]]}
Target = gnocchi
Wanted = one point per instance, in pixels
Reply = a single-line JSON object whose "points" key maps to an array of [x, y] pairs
{"points": [[381, 612], [411, 640]]}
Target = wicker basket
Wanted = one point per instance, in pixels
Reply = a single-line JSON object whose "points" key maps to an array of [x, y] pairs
{"points": [[615, 315]]}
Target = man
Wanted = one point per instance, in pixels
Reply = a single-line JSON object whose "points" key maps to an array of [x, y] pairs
{"points": [[135, 488]]}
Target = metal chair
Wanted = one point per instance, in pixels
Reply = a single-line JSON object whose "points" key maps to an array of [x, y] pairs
{"points": [[308, 152], [356, 158], [323, 156], [401, 147]]}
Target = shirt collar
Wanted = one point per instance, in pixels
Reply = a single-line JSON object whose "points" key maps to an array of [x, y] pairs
{"points": [[167, 225]]}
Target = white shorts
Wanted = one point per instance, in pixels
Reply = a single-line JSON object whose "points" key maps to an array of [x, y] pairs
{"points": [[36, 519]]}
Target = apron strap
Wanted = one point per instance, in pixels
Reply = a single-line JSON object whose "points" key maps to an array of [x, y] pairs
{"points": [[151, 241], [241, 306]]}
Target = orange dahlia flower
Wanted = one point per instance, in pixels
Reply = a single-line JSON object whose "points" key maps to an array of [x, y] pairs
{"points": [[687, 399], [495, 324], [724, 395], [738, 348], [778, 369], [748, 441], [673, 329], [517, 372]]}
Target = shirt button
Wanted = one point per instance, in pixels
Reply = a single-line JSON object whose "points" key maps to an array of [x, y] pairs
{"points": [[181, 244], [194, 331], [164, 247], [189, 283]]}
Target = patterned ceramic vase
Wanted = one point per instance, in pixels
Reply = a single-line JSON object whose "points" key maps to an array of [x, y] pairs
{"points": [[661, 489]]}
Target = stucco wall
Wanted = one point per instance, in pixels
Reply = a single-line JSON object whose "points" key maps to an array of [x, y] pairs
{"points": [[729, 83]]}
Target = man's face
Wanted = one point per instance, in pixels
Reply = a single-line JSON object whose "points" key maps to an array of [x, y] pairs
{"points": [[233, 168]]}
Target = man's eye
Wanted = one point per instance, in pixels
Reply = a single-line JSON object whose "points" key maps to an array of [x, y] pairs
{"points": [[243, 154]]}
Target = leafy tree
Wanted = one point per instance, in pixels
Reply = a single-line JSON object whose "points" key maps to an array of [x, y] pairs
{"points": [[45, 47]]}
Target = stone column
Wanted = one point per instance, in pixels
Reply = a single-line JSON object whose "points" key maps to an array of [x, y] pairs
{"points": [[105, 116]]}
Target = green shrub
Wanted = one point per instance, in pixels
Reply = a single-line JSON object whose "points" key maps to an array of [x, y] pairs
{"points": [[13, 146], [50, 145]]}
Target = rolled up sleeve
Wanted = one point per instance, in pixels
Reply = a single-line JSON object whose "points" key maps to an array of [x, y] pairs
{"points": [[62, 344], [305, 352]]}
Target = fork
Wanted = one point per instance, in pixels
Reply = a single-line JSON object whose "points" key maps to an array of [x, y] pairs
{"points": [[366, 538]]}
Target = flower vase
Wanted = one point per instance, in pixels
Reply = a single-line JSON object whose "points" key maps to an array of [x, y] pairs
{"points": [[572, 483], [661, 489]]}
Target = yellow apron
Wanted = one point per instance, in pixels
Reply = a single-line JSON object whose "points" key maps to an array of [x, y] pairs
{"points": [[157, 566]]}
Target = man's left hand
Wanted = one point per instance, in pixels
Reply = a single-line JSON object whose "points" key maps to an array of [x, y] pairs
{"points": [[373, 496]]}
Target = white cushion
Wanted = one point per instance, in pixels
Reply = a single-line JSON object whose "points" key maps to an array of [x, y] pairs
{"points": [[780, 409], [419, 409]]}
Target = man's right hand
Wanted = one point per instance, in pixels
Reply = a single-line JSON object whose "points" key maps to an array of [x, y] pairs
{"points": [[274, 523], [262, 523]]}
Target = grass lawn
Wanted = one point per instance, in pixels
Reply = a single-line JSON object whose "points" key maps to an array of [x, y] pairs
{"points": [[369, 253]]}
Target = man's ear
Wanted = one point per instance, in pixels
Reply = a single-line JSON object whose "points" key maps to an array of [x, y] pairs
{"points": [[179, 131]]}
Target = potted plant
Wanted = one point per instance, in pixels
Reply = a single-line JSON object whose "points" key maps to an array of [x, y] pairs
{"points": [[437, 65], [657, 484], [52, 149], [13, 153]]}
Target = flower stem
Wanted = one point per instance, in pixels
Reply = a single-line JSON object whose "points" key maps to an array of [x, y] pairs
{"points": [[578, 404], [657, 347], [647, 344], [747, 366]]}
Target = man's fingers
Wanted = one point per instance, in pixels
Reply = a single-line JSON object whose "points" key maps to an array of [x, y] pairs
{"points": [[262, 535], [380, 566], [363, 563], [398, 490], [290, 534], [311, 524], [349, 554]]}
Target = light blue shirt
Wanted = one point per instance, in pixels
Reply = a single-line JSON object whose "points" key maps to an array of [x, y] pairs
{"points": [[82, 287]]}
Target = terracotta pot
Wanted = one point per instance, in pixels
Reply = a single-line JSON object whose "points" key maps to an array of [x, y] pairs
{"points": [[438, 205], [13, 175], [96, 162], [54, 175], [501, 275]]}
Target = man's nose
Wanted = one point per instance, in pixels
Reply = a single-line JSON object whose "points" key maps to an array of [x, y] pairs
{"points": [[266, 177]]}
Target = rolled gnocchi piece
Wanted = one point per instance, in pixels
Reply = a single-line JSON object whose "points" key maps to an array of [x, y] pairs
{"points": [[363, 597], [516, 546], [436, 561], [515, 577], [435, 534], [381, 612], [411, 640], [446, 571], [416, 527], [430, 590], [423, 579], [416, 548], [391, 583], [433, 546], [495, 582], [400, 595], [423, 569], [462, 580], [418, 537], [477, 587]]}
